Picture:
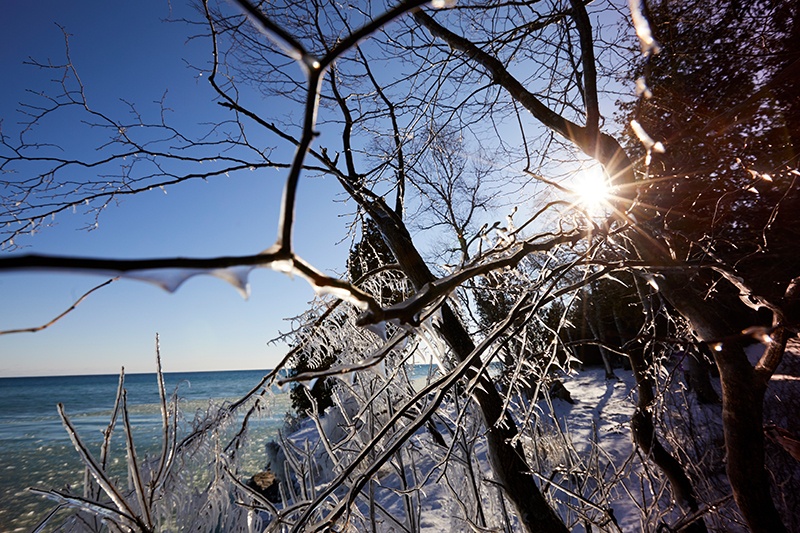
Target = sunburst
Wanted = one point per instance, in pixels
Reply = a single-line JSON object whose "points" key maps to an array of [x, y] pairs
{"points": [[591, 189]]}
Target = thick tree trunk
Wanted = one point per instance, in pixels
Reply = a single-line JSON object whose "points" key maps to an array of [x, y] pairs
{"points": [[507, 460], [742, 408], [699, 379]]}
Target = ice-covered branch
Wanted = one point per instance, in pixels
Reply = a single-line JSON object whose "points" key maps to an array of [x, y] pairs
{"points": [[409, 310], [170, 273]]}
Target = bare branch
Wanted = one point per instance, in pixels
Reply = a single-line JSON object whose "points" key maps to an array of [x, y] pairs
{"points": [[62, 315]]}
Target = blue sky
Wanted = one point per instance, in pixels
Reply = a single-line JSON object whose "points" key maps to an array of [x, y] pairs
{"points": [[125, 50]]}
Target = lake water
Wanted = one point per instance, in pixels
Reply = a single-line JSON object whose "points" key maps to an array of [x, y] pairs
{"points": [[35, 450]]}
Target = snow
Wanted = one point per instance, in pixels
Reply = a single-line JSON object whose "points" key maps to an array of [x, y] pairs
{"points": [[578, 444]]}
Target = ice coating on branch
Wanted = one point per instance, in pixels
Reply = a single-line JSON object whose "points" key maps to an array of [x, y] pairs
{"points": [[504, 237], [321, 283], [645, 138], [649, 144], [236, 276], [433, 342], [651, 280], [642, 89], [284, 266], [436, 318], [643, 31], [348, 378], [273, 36], [341, 293], [170, 279]]}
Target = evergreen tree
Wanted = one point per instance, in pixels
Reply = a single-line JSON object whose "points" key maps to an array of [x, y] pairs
{"points": [[725, 92], [366, 256]]}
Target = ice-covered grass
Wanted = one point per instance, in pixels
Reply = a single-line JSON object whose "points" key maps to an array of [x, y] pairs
{"points": [[375, 462], [583, 454]]}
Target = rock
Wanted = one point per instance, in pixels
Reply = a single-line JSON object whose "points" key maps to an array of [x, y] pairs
{"points": [[558, 390], [266, 484]]}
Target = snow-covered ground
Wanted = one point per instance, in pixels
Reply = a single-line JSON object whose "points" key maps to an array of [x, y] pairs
{"points": [[446, 487], [582, 454]]}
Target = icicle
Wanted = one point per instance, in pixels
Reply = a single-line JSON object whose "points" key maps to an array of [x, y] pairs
{"points": [[349, 378], [378, 329], [642, 89], [643, 31], [236, 276], [341, 293], [170, 279], [503, 235], [380, 369]]}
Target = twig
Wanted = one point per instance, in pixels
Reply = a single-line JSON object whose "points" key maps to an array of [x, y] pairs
{"points": [[62, 315]]}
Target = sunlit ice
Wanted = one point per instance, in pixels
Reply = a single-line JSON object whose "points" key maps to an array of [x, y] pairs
{"points": [[591, 189]]}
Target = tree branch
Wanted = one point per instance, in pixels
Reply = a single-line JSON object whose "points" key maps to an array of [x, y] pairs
{"points": [[62, 315]]}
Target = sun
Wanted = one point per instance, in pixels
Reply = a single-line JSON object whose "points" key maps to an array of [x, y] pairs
{"points": [[591, 189]]}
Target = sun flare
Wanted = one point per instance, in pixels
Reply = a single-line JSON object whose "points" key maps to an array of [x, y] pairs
{"points": [[591, 189]]}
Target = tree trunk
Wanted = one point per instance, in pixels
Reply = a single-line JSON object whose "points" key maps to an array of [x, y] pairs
{"points": [[593, 322], [742, 408], [644, 434], [507, 460], [699, 379]]}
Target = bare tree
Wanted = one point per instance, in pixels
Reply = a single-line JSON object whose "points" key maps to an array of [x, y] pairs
{"points": [[512, 80]]}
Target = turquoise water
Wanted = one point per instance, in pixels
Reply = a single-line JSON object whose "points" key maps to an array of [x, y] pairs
{"points": [[35, 450]]}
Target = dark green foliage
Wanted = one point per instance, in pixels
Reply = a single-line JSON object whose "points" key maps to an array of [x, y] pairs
{"points": [[373, 267], [494, 298], [726, 105], [320, 391], [532, 337], [369, 253], [366, 256]]}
